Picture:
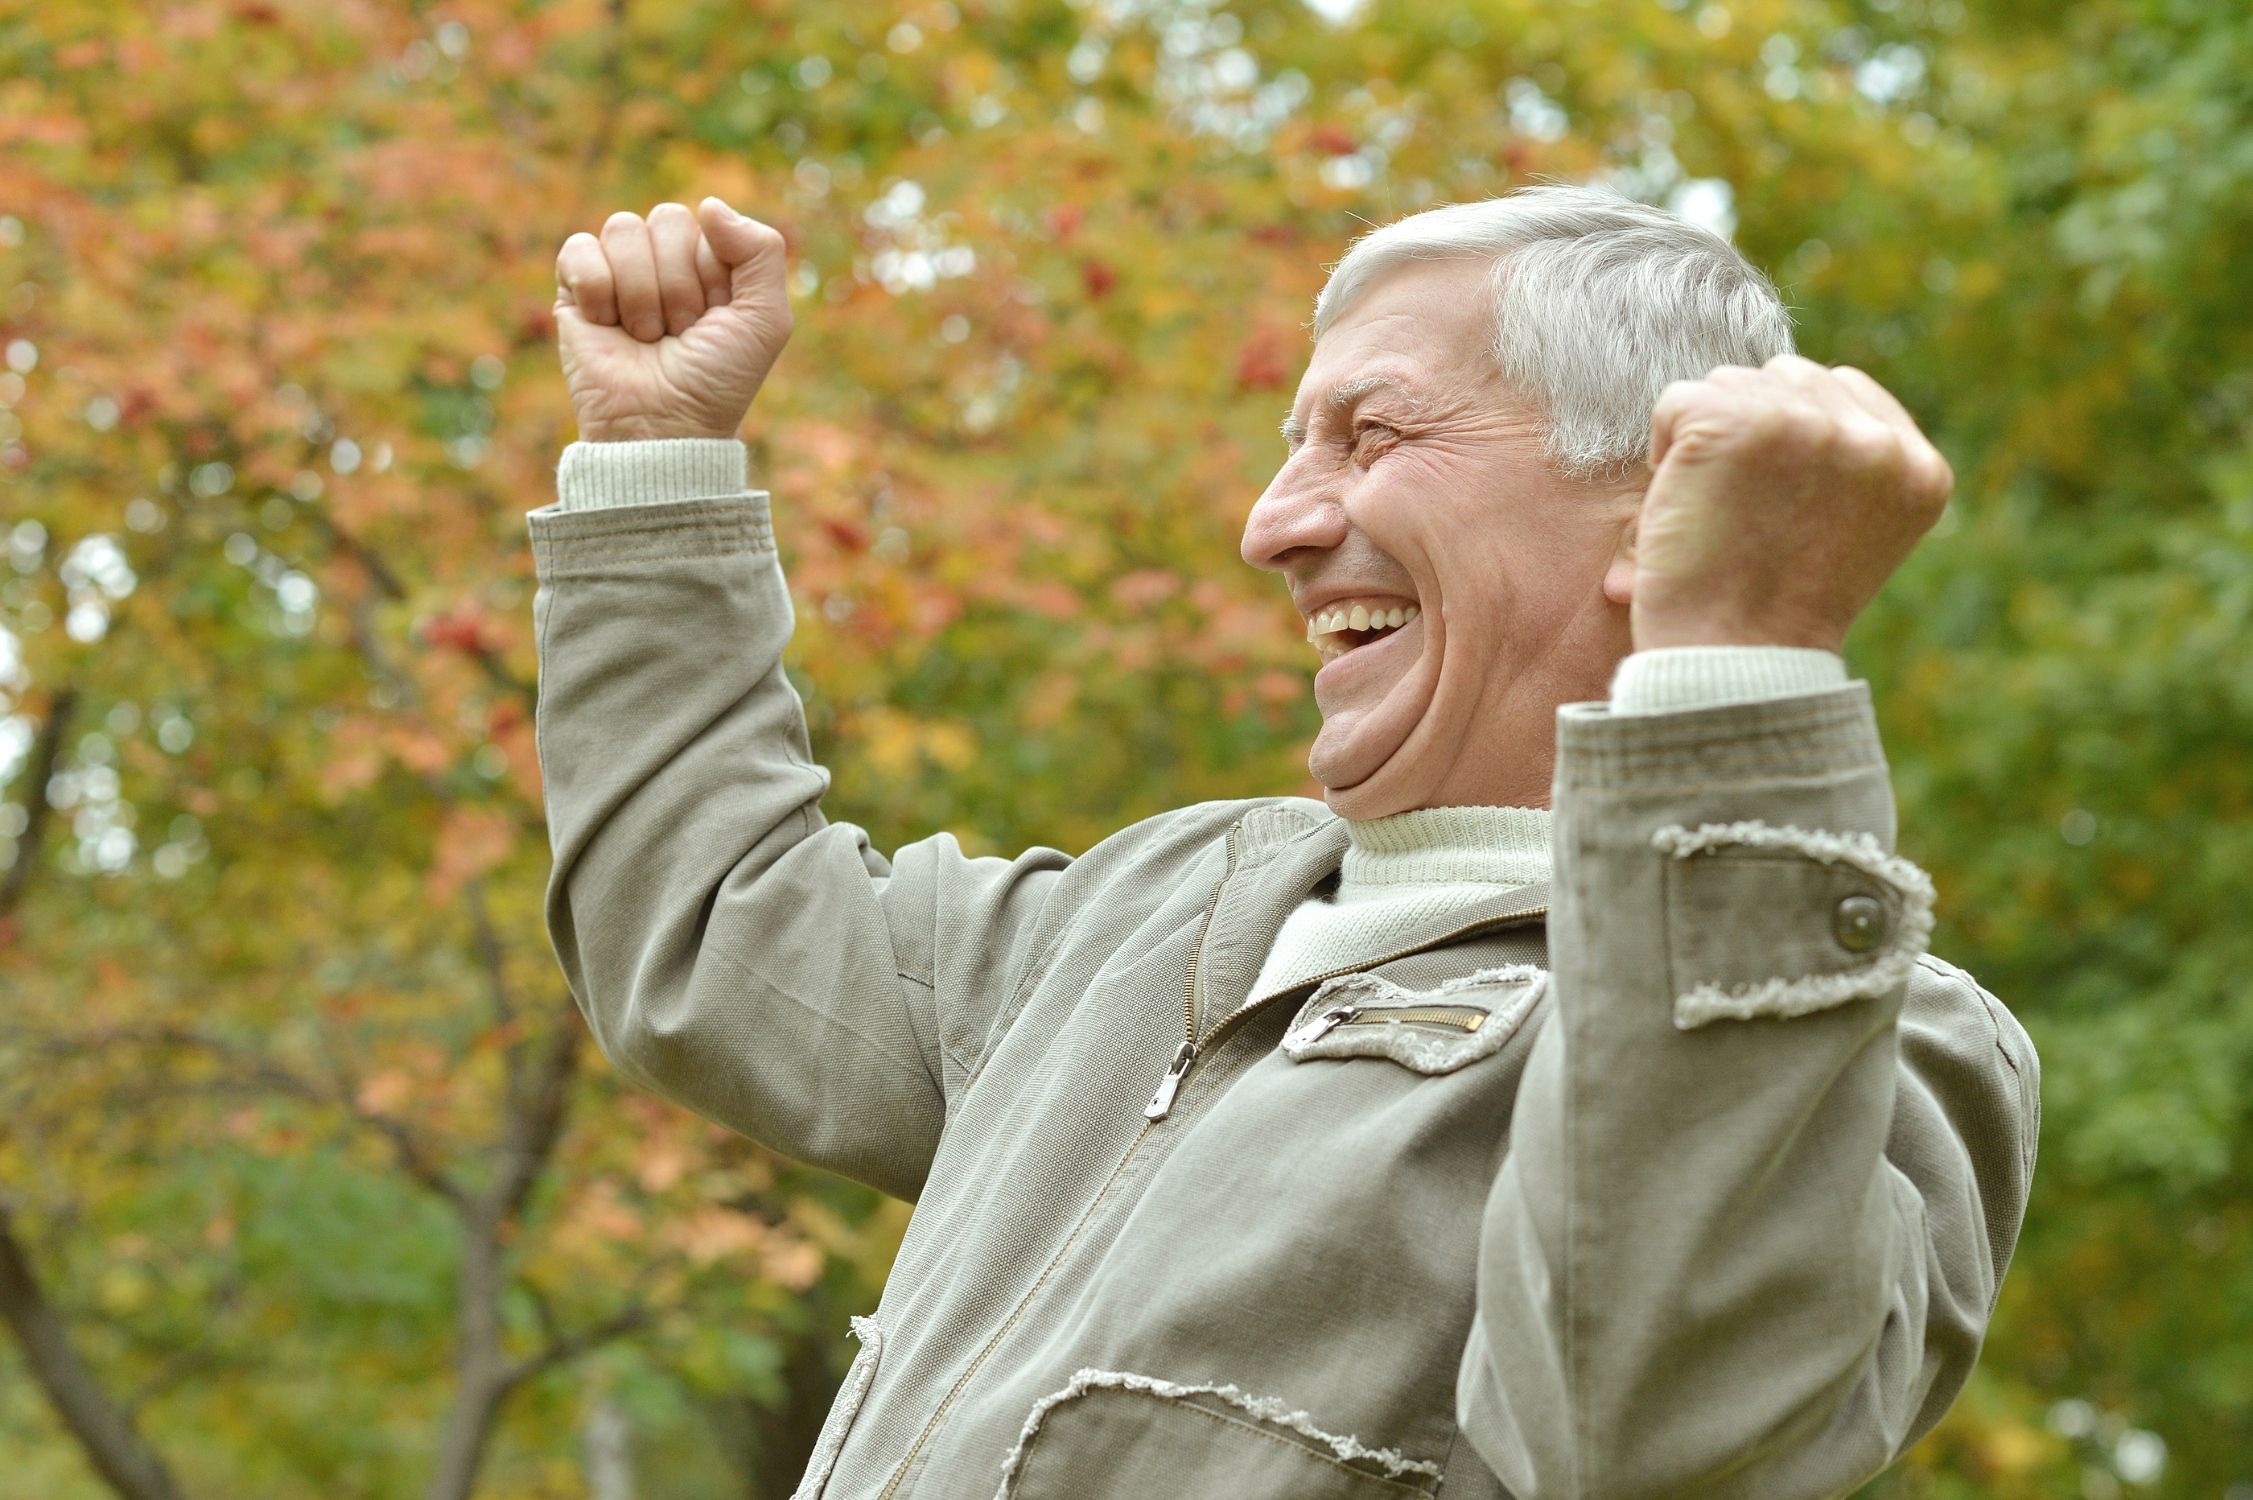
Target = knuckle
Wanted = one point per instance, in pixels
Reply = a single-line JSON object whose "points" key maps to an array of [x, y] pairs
{"points": [[1869, 446], [1783, 424], [668, 210], [1932, 478]]}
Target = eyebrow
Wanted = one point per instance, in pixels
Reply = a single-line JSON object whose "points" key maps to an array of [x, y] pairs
{"points": [[1343, 397]]}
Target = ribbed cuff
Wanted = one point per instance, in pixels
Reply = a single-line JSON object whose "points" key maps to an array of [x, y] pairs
{"points": [[1678, 677], [650, 471]]}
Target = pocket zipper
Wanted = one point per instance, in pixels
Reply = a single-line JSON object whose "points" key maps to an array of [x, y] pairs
{"points": [[1459, 1017]]}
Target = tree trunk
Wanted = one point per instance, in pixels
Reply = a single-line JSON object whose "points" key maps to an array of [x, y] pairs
{"points": [[609, 1449], [481, 1380]]}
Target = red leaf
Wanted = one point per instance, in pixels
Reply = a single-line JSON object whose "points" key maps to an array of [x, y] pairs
{"points": [[459, 629], [1098, 277], [850, 535], [1260, 365], [1065, 219], [1333, 140]]}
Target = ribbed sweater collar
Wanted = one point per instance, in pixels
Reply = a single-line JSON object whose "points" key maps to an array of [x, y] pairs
{"points": [[1506, 846]]}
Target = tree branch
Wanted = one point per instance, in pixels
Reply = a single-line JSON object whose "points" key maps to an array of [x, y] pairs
{"points": [[45, 752], [104, 1431], [387, 582], [251, 1068], [569, 1347]]}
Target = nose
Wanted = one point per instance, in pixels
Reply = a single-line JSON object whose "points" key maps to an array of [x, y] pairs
{"points": [[1295, 515]]}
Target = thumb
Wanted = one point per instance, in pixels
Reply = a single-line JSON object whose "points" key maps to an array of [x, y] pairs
{"points": [[751, 251]]}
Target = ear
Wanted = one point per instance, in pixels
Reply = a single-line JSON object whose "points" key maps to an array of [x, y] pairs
{"points": [[1619, 575]]}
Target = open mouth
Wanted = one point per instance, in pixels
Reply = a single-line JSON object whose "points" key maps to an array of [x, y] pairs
{"points": [[1350, 624]]}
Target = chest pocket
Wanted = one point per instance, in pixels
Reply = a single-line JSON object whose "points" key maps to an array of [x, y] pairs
{"points": [[1429, 1031]]}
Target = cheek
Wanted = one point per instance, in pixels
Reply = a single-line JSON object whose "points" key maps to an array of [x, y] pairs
{"points": [[1407, 504]]}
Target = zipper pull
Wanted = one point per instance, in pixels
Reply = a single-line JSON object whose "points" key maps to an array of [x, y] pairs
{"points": [[1161, 1103], [1320, 1027]]}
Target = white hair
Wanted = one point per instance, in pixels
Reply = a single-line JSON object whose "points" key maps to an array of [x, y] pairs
{"points": [[1597, 302]]}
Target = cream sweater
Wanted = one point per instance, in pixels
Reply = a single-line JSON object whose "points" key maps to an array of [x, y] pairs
{"points": [[1400, 871]]}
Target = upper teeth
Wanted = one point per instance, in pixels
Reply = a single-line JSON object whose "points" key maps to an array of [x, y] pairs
{"points": [[1359, 617]]}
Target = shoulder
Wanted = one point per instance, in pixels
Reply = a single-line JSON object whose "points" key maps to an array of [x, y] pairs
{"points": [[1953, 1024], [1939, 990], [1183, 834]]}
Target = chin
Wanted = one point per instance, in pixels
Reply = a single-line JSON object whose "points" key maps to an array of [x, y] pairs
{"points": [[1387, 789]]}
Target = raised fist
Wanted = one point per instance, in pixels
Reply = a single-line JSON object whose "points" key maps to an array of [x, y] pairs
{"points": [[667, 326], [1781, 499]]}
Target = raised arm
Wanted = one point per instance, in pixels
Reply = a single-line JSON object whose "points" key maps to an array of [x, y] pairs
{"points": [[1768, 1167], [729, 946]]}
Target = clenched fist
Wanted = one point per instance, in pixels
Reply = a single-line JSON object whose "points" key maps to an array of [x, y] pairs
{"points": [[667, 326], [1781, 499]]}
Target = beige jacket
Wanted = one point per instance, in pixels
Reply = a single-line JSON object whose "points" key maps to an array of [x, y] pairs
{"points": [[1694, 1175]]}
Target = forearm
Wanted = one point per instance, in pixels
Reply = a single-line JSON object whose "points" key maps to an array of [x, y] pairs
{"points": [[1697, 1247], [705, 915]]}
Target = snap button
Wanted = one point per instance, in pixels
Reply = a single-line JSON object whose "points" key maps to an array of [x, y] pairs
{"points": [[1859, 923]]}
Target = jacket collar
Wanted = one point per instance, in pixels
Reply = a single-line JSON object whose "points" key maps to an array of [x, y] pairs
{"points": [[1283, 853]]}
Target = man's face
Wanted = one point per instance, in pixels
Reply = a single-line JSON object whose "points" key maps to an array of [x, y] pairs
{"points": [[1416, 488]]}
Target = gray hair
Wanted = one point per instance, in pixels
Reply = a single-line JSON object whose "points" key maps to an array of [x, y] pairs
{"points": [[1597, 302]]}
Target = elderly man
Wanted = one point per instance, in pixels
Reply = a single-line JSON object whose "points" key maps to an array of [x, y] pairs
{"points": [[1566, 1108]]}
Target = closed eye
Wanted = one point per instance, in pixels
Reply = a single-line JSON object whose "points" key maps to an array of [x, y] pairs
{"points": [[1370, 438]]}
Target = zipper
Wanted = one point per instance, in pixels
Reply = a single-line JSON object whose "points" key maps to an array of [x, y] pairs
{"points": [[1159, 1105], [1161, 1102], [1458, 1017], [1192, 1047]]}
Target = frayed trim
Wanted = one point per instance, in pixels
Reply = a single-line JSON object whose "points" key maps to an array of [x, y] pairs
{"points": [[1784, 997], [842, 1410], [1266, 1408], [1479, 979], [1421, 1051]]}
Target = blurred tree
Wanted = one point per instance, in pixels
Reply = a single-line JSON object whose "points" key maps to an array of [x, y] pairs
{"points": [[297, 1116]]}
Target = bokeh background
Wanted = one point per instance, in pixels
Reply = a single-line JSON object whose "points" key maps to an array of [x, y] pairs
{"points": [[310, 1183]]}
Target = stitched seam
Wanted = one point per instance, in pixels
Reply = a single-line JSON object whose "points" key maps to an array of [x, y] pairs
{"points": [[605, 520], [671, 526], [2029, 1093], [578, 567], [599, 541], [993, 1343], [1447, 1459], [717, 528], [946, 1050], [1035, 972]]}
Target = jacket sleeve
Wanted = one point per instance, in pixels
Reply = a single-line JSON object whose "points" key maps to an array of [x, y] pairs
{"points": [[730, 947], [1769, 1160]]}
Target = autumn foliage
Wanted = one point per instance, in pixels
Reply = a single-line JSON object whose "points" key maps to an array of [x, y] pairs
{"points": [[310, 1181]]}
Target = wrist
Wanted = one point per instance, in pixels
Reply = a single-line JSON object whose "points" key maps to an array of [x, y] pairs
{"points": [[1666, 634], [642, 432]]}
